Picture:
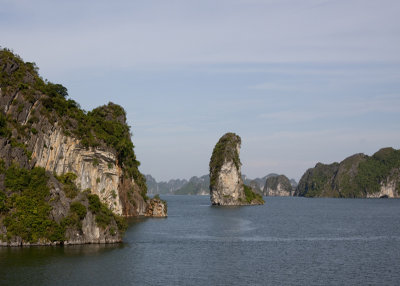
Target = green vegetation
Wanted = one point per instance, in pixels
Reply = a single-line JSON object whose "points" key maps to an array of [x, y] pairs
{"points": [[4, 130], [105, 125], [144, 195], [15, 71], [77, 213], [191, 188], [356, 176], [377, 168], [27, 208], [113, 194], [195, 186], [121, 223], [317, 180], [68, 181], [104, 215], [251, 196], [273, 182], [224, 150], [25, 199], [79, 209], [345, 182], [3, 201], [15, 144]]}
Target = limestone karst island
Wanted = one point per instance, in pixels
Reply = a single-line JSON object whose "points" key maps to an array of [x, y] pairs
{"points": [[226, 184], [67, 176]]}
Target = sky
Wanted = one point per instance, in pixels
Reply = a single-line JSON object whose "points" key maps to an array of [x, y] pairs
{"points": [[300, 82]]}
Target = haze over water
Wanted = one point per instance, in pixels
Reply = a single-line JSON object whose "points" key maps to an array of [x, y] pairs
{"points": [[287, 241]]}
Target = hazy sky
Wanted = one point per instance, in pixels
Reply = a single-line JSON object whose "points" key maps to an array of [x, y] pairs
{"points": [[300, 81]]}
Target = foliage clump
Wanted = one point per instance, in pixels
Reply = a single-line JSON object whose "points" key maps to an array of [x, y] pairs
{"points": [[25, 208], [377, 168], [15, 73], [79, 209], [104, 215], [225, 150], [315, 181], [76, 214], [251, 196], [68, 181]]}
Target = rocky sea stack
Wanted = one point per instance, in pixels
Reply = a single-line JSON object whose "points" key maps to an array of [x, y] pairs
{"points": [[226, 184], [278, 186], [67, 176]]}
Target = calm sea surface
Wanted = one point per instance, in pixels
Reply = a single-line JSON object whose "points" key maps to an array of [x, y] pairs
{"points": [[288, 241]]}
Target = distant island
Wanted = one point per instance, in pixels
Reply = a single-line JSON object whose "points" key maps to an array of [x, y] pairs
{"points": [[358, 176], [194, 186], [278, 186], [200, 185], [67, 176]]}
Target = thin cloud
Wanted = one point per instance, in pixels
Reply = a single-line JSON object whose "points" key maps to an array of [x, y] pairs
{"points": [[325, 74], [352, 108], [153, 32]]}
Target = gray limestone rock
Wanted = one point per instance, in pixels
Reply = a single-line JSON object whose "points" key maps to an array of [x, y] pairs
{"points": [[226, 184]]}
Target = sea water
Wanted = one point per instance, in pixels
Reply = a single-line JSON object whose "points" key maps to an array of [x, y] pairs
{"points": [[287, 241]]}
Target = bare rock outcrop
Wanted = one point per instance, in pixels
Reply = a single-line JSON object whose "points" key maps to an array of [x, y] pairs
{"points": [[226, 184], [156, 207]]}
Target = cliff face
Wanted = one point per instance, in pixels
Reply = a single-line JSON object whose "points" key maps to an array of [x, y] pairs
{"points": [[358, 176], [278, 186], [226, 184], [96, 169], [229, 187], [83, 154]]}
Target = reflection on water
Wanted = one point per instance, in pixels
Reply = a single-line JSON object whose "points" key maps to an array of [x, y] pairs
{"points": [[42, 255], [67, 250]]}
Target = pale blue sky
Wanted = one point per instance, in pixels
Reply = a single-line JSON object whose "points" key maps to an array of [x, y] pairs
{"points": [[300, 81]]}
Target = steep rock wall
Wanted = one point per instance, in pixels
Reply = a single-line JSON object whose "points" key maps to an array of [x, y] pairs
{"points": [[226, 183], [229, 187], [96, 169]]}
